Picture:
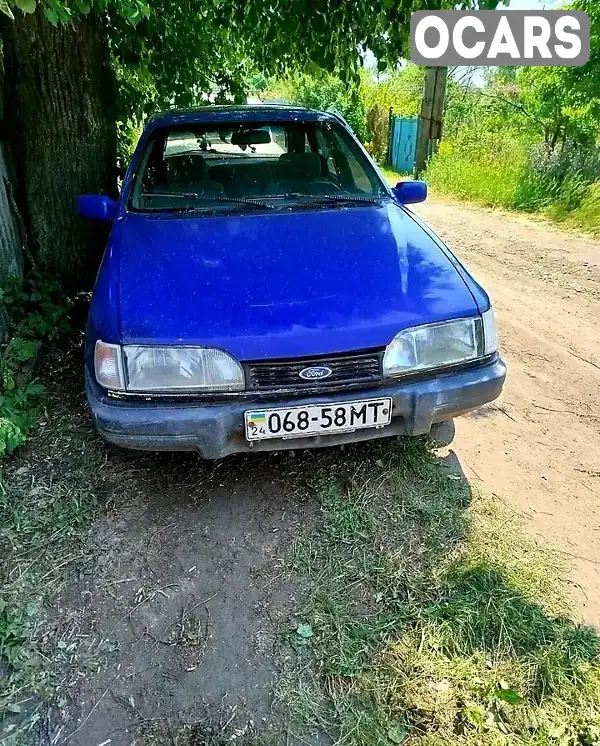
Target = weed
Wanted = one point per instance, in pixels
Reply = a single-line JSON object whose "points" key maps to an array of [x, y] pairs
{"points": [[47, 505], [507, 170], [37, 312], [37, 306], [433, 618]]}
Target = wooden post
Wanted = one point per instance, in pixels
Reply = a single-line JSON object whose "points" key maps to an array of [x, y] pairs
{"points": [[432, 112]]}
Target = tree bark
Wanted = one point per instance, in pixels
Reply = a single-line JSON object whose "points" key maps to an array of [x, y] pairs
{"points": [[59, 106]]}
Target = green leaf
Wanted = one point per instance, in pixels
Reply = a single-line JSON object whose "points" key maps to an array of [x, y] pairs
{"points": [[51, 16], [5, 8], [510, 696], [27, 6], [304, 630], [11, 436], [24, 349], [398, 732], [35, 389]]}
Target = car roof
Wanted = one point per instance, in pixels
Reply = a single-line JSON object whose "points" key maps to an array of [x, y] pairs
{"points": [[247, 113]]}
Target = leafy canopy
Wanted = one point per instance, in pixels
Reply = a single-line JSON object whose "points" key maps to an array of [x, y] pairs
{"points": [[171, 51]]}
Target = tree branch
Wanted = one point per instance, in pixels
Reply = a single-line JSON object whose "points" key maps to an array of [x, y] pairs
{"points": [[515, 105]]}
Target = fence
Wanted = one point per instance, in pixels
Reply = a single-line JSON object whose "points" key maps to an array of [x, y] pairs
{"points": [[403, 143]]}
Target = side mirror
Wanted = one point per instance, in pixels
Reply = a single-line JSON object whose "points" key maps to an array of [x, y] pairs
{"points": [[96, 206], [410, 192]]}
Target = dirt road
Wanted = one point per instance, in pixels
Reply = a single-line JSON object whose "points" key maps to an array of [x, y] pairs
{"points": [[538, 446]]}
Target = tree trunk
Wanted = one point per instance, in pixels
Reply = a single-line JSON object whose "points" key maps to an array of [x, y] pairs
{"points": [[59, 99]]}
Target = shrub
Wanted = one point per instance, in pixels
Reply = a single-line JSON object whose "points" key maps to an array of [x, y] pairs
{"points": [[325, 92], [38, 312], [398, 92], [508, 169], [37, 306], [485, 169], [558, 179], [587, 214]]}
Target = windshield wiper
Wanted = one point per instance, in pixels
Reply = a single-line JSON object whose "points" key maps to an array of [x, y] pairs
{"points": [[333, 197], [193, 195]]}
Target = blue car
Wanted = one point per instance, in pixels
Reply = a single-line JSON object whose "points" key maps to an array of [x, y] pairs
{"points": [[264, 288]]}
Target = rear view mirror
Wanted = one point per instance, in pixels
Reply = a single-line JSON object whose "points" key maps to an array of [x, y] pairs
{"points": [[251, 137], [410, 192], [96, 206]]}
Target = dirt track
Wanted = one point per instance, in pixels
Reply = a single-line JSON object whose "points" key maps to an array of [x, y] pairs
{"points": [[539, 445]]}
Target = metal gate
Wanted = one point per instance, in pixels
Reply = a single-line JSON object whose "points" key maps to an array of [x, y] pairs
{"points": [[403, 143]]}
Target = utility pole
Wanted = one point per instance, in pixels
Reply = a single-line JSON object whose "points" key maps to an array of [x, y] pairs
{"points": [[432, 112]]}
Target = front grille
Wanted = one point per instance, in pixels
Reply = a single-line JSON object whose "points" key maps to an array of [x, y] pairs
{"points": [[347, 370]]}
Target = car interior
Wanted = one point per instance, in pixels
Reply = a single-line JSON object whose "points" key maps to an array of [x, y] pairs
{"points": [[180, 169]]}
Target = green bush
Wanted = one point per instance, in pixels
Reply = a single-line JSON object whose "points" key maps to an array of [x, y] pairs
{"points": [[20, 399], [527, 139], [483, 169], [587, 214], [324, 92], [37, 306], [38, 312], [399, 90], [11, 436], [509, 170], [128, 134]]}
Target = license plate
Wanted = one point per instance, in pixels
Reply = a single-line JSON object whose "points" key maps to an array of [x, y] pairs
{"points": [[321, 419]]}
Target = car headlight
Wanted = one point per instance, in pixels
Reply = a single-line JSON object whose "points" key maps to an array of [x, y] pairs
{"points": [[140, 369], [441, 345]]}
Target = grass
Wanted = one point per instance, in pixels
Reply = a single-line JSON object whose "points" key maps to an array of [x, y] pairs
{"points": [[488, 172], [495, 172], [393, 177], [430, 617], [587, 215], [47, 506], [43, 528]]}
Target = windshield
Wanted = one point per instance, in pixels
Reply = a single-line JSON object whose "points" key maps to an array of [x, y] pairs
{"points": [[233, 166]]}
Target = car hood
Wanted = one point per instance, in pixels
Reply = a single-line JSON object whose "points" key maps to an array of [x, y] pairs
{"points": [[284, 284]]}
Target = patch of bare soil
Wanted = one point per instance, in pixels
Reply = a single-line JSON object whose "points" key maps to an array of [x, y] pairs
{"points": [[539, 445], [167, 624], [182, 601]]}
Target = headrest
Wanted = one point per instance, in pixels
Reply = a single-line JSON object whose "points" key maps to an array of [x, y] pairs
{"points": [[307, 165], [186, 169]]}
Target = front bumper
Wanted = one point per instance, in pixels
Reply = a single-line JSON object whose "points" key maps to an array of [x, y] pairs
{"points": [[216, 429]]}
